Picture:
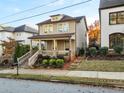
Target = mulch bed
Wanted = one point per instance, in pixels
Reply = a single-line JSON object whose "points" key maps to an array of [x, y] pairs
{"points": [[108, 57]]}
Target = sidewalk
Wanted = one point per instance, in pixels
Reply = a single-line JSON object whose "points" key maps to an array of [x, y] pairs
{"points": [[88, 74]]}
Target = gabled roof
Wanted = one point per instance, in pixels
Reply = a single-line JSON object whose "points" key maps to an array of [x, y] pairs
{"points": [[22, 28], [65, 18], [9, 28], [104, 4], [25, 28]]}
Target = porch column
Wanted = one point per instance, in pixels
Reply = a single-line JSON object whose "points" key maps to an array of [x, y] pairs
{"points": [[39, 44], [70, 49], [54, 48], [31, 45]]}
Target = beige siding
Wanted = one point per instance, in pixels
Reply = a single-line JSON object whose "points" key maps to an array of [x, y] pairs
{"points": [[71, 27], [49, 45]]}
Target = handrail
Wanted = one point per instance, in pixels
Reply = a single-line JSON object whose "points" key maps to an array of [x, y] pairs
{"points": [[33, 59], [23, 58]]}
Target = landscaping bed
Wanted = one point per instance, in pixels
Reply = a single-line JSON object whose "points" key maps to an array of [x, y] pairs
{"points": [[100, 65], [107, 57], [70, 80], [56, 62]]}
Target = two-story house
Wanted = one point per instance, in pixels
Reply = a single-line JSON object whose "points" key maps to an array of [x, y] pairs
{"points": [[62, 34], [112, 22], [20, 33]]}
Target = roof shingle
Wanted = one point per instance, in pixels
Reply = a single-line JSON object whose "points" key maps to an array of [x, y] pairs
{"points": [[22, 28], [65, 18], [110, 3]]}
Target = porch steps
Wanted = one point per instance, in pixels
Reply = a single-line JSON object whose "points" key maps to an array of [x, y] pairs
{"points": [[25, 62], [76, 63]]}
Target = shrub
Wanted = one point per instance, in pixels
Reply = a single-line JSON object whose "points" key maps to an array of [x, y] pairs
{"points": [[93, 51], [103, 51], [52, 62], [118, 49], [81, 52], [20, 50], [35, 48], [59, 63], [45, 63], [46, 57]]}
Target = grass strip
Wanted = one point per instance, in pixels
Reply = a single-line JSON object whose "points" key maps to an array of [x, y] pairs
{"points": [[69, 80]]}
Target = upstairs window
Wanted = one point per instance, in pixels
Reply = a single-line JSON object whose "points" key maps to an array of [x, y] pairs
{"points": [[120, 18], [62, 27], [48, 28], [116, 18]]}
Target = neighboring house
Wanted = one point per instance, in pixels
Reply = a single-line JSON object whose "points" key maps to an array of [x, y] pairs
{"points": [[62, 34], [20, 33], [112, 22]]}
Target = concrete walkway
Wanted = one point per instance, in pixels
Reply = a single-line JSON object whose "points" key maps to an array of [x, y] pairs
{"points": [[89, 74]]}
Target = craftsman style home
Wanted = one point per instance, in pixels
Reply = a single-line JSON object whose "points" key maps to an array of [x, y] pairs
{"points": [[61, 35], [112, 22]]}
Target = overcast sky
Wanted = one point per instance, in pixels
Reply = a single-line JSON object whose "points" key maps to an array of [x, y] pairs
{"points": [[7, 7]]}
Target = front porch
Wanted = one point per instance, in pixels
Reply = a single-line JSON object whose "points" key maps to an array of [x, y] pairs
{"points": [[55, 44]]}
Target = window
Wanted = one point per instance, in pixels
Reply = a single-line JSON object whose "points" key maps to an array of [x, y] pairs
{"points": [[116, 39], [121, 18], [18, 34], [116, 18], [62, 27], [48, 28]]}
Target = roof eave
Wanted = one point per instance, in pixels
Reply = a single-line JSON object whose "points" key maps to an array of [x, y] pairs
{"points": [[111, 7]]}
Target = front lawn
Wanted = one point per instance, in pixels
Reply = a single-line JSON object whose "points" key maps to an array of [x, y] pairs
{"points": [[98, 65]]}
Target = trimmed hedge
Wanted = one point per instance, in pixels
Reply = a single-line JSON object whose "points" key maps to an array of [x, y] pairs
{"points": [[118, 49], [45, 63], [59, 63], [103, 51], [53, 63], [93, 51]]}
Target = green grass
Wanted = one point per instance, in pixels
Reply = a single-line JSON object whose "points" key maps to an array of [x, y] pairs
{"points": [[70, 80], [98, 65]]}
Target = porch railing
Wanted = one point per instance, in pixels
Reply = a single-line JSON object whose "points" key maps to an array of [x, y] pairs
{"points": [[33, 59], [22, 59], [54, 52]]}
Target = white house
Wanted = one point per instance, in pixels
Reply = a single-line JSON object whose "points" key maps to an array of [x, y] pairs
{"points": [[20, 33], [112, 22]]}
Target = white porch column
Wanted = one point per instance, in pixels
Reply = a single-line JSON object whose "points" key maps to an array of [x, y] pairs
{"points": [[54, 48], [31, 45], [39, 44]]}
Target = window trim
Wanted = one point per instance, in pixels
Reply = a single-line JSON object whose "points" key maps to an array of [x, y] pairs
{"points": [[45, 27], [62, 26], [117, 23]]}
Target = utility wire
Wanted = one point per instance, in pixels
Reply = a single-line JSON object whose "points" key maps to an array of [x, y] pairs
{"points": [[46, 12], [30, 9]]}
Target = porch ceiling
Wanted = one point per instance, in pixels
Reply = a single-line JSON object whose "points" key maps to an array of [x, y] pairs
{"points": [[51, 36]]}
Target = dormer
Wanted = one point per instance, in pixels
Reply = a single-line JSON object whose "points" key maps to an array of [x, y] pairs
{"points": [[57, 17]]}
